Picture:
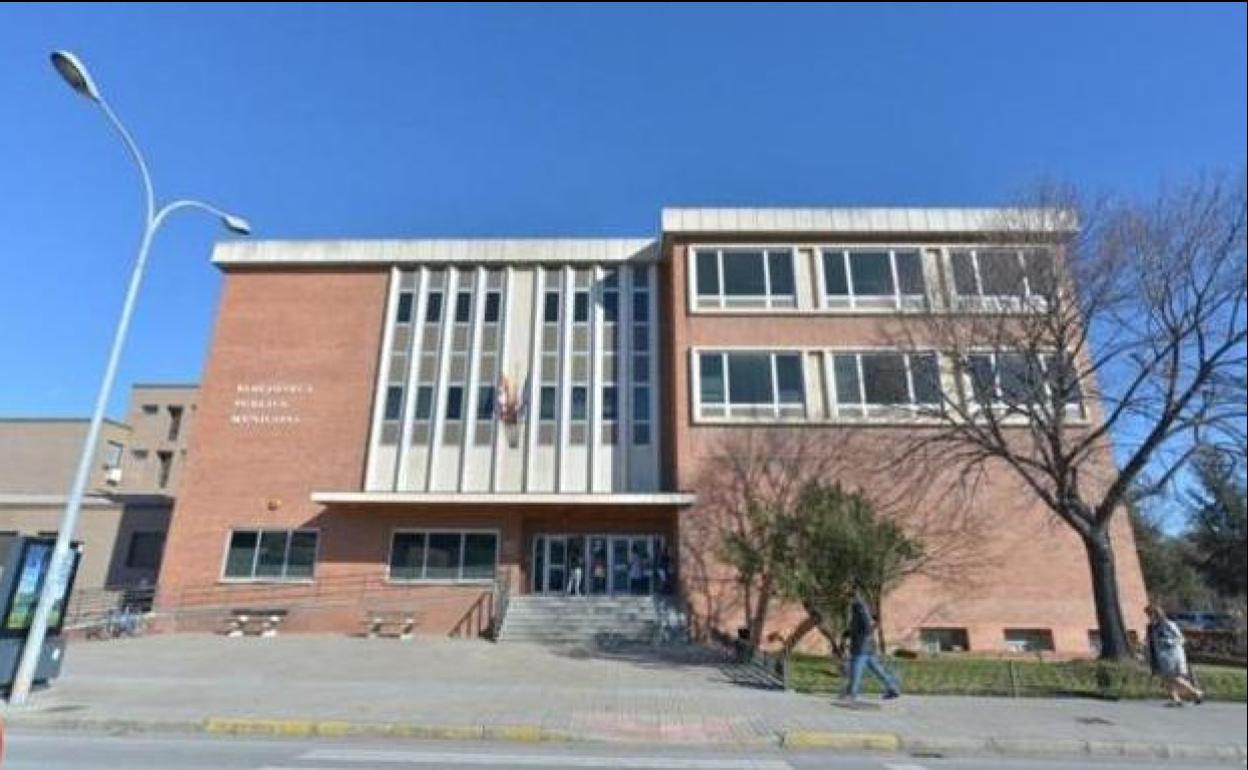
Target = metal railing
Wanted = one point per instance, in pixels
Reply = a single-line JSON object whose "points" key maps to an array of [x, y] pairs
{"points": [[109, 611]]}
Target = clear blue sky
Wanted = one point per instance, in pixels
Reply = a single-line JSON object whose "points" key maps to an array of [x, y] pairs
{"points": [[368, 121]]}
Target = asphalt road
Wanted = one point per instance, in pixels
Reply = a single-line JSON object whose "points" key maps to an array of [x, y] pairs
{"points": [[27, 750]]}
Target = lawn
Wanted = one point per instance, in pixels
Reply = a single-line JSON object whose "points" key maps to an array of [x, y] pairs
{"points": [[956, 675]]}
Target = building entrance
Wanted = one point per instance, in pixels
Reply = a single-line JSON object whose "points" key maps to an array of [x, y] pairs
{"points": [[599, 565]]}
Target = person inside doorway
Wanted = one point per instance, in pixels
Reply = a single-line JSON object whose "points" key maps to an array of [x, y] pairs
{"points": [[664, 572], [576, 575], [637, 573]]}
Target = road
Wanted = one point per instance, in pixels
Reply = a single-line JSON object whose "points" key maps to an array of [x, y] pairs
{"points": [[28, 750]]}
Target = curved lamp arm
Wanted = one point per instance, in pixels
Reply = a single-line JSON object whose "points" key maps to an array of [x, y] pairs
{"points": [[232, 222], [149, 193]]}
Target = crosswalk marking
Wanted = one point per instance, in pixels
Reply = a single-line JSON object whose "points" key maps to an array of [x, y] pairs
{"points": [[903, 767], [443, 758]]}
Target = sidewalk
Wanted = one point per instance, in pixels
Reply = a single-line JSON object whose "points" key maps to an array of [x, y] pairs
{"points": [[335, 686]]}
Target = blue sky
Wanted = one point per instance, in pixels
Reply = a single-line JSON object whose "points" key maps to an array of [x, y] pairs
{"points": [[369, 121]]}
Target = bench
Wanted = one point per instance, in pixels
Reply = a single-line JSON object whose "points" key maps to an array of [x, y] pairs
{"points": [[255, 622], [400, 623]]}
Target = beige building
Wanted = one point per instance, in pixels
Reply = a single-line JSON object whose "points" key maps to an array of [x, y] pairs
{"points": [[130, 493]]}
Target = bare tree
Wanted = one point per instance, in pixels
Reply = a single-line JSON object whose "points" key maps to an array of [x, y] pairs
{"points": [[1074, 325]]}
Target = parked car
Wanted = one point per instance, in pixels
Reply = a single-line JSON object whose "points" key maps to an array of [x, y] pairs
{"points": [[1204, 621]]}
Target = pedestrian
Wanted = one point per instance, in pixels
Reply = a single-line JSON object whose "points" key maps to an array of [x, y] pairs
{"points": [[575, 576], [636, 574], [665, 572], [862, 652], [1167, 659]]}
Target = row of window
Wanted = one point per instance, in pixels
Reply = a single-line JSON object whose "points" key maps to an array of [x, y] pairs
{"points": [[864, 384], [870, 278], [936, 640], [415, 555]]}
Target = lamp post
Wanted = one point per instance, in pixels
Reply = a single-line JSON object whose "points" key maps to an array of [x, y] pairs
{"points": [[72, 70]]}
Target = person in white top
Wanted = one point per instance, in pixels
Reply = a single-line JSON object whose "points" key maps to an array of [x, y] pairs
{"points": [[1167, 659], [575, 577]]}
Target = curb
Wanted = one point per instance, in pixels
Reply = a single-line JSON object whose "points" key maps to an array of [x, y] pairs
{"points": [[793, 740]]}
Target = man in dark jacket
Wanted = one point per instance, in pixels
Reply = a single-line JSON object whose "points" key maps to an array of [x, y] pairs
{"points": [[862, 652]]}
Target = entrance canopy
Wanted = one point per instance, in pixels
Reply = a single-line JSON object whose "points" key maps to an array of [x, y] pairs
{"points": [[511, 499]]}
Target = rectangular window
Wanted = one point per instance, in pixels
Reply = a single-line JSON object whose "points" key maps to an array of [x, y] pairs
{"points": [[424, 402], [610, 403], [493, 301], [433, 307], [711, 375], [751, 384], [403, 314], [1002, 278], [884, 379], [175, 422], [736, 278], [641, 404], [789, 386], [394, 402], [1021, 382], [443, 555], [1029, 640], [610, 307], [641, 434], [580, 402], [463, 307], [240, 559], [164, 468], [302, 555], [550, 310], [744, 274], [641, 307], [145, 550], [455, 402], [580, 307], [873, 279], [546, 409], [871, 273], [485, 402], [407, 556], [934, 640], [480, 549], [780, 273], [885, 384], [271, 554], [749, 378], [112, 455]]}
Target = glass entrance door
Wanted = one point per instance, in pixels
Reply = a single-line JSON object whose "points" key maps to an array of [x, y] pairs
{"points": [[609, 564]]}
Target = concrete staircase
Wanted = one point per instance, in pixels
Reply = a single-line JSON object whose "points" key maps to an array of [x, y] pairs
{"points": [[593, 620]]}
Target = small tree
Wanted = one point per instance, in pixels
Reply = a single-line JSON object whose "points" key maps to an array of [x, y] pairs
{"points": [[834, 540], [753, 485], [1079, 325]]}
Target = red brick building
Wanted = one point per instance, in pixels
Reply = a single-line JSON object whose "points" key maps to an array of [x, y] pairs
{"points": [[355, 441]]}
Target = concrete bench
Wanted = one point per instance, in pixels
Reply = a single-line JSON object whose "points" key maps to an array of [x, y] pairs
{"points": [[399, 622], [255, 622]]}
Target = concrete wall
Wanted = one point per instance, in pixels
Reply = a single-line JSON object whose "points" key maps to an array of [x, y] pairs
{"points": [[40, 456], [152, 432], [105, 530]]}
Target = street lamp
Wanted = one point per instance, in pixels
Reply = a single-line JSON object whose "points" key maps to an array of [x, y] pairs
{"points": [[75, 73]]}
